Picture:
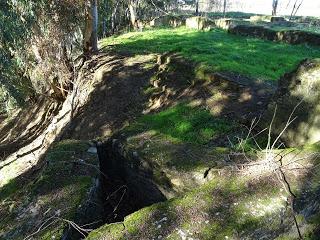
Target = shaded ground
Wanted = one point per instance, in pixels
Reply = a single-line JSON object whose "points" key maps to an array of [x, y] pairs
{"points": [[25, 126], [181, 121], [138, 86], [116, 100], [231, 206], [39, 203]]}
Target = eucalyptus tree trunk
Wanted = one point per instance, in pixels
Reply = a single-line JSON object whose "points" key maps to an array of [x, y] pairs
{"points": [[113, 17], [133, 13], [90, 43]]}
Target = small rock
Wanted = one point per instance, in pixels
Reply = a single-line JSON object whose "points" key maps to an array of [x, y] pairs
{"points": [[92, 150], [182, 234], [58, 212], [135, 154]]}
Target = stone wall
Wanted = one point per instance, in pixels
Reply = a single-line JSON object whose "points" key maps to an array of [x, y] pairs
{"points": [[298, 96], [290, 36], [225, 23], [168, 21], [199, 23]]}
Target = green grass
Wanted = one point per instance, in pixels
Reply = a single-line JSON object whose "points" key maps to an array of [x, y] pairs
{"points": [[184, 124], [217, 50], [220, 208]]}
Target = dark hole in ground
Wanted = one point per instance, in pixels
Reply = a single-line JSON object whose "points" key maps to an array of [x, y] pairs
{"points": [[125, 185]]}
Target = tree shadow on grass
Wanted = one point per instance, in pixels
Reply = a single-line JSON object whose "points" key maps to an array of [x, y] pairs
{"points": [[218, 50], [128, 92]]}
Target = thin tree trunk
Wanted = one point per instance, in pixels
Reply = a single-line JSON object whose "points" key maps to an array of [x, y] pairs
{"points": [[298, 8], [91, 27], [105, 19], [95, 25], [224, 8], [274, 7], [295, 9], [133, 13], [197, 7], [113, 18]]}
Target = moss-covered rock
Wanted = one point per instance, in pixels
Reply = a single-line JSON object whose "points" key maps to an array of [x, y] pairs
{"points": [[260, 18], [276, 19], [297, 99], [226, 208]]}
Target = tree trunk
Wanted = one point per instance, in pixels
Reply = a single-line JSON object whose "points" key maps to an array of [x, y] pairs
{"points": [[295, 9], [91, 27], [224, 8], [197, 7], [274, 7], [133, 14], [113, 18], [95, 25]]}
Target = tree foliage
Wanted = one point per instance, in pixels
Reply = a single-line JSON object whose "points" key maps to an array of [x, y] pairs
{"points": [[37, 43]]}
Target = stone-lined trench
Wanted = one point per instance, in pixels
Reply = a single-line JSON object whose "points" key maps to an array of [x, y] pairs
{"points": [[125, 185]]}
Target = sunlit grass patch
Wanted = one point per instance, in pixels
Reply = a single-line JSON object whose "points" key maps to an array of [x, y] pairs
{"points": [[183, 123], [218, 50]]}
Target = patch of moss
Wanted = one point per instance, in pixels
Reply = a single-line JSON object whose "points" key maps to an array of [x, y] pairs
{"points": [[212, 211], [9, 189], [66, 149], [183, 123]]}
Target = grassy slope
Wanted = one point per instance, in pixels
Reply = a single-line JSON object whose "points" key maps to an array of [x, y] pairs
{"points": [[227, 206], [218, 51]]}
